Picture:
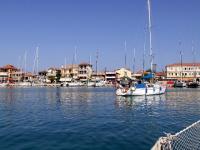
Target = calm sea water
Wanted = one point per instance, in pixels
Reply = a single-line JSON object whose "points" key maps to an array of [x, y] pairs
{"points": [[91, 118]]}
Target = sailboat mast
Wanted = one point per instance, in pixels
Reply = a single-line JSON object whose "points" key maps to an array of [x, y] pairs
{"points": [[125, 49], [90, 60], [97, 57], [73, 61], [144, 51], [194, 63], [134, 60], [25, 57], [37, 60], [181, 59], [150, 33], [65, 67], [75, 54]]}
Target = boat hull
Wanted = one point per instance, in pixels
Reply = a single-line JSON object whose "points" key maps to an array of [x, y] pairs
{"points": [[141, 91]]}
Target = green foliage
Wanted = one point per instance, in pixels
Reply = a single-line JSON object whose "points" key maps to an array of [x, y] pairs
{"points": [[58, 75]]}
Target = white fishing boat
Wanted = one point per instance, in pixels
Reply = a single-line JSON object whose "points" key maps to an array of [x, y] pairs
{"points": [[3, 84], [73, 84], [90, 84], [24, 84], [141, 89], [180, 84], [100, 83]]}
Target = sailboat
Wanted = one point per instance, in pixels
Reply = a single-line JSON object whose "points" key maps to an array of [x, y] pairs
{"points": [[194, 83], [142, 88], [73, 82], [24, 83], [37, 81]]}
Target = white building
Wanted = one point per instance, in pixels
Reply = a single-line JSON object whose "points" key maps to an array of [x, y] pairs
{"points": [[185, 71]]}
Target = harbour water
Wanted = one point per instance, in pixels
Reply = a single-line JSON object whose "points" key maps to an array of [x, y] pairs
{"points": [[91, 118]]}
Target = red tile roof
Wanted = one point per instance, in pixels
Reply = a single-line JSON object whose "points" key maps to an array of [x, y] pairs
{"points": [[183, 64], [9, 67]]}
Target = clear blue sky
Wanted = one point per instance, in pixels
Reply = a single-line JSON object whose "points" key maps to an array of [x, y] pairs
{"points": [[57, 26]]}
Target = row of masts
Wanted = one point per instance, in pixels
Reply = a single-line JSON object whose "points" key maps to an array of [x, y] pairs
{"points": [[22, 64]]}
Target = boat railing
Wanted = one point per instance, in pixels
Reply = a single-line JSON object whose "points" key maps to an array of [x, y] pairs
{"points": [[188, 138]]}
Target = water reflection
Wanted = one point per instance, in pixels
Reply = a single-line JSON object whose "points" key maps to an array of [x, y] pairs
{"points": [[74, 117], [131, 101]]}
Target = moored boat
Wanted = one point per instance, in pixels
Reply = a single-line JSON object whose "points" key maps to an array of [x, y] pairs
{"points": [[180, 84], [192, 85], [3, 84], [141, 89]]}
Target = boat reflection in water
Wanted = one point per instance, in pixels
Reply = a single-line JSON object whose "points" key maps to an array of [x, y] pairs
{"points": [[131, 101]]}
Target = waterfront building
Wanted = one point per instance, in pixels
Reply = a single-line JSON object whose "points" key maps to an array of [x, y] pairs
{"points": [[110, 76], [160, 75], [7, 73], [17, 76], [98, 76], [123, 72], [42, 76], [28, 76], [138, 75], [183, 71], [84, 71], [68, 72], [52, 75]]}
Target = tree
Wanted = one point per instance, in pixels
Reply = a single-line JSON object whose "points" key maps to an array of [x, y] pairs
{"points": [[58, 75]]}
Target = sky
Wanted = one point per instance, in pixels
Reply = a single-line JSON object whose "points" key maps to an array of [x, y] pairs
{"points": [[58, 26]]}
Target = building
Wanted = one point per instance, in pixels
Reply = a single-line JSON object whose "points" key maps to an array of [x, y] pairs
{"points": [[123, 72], [8, 72], [184, 71], [84, 71], [98, 76], [42, 76], [53, 75], [110, 76], [160, 75], [69, 72], [138, 75]]}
